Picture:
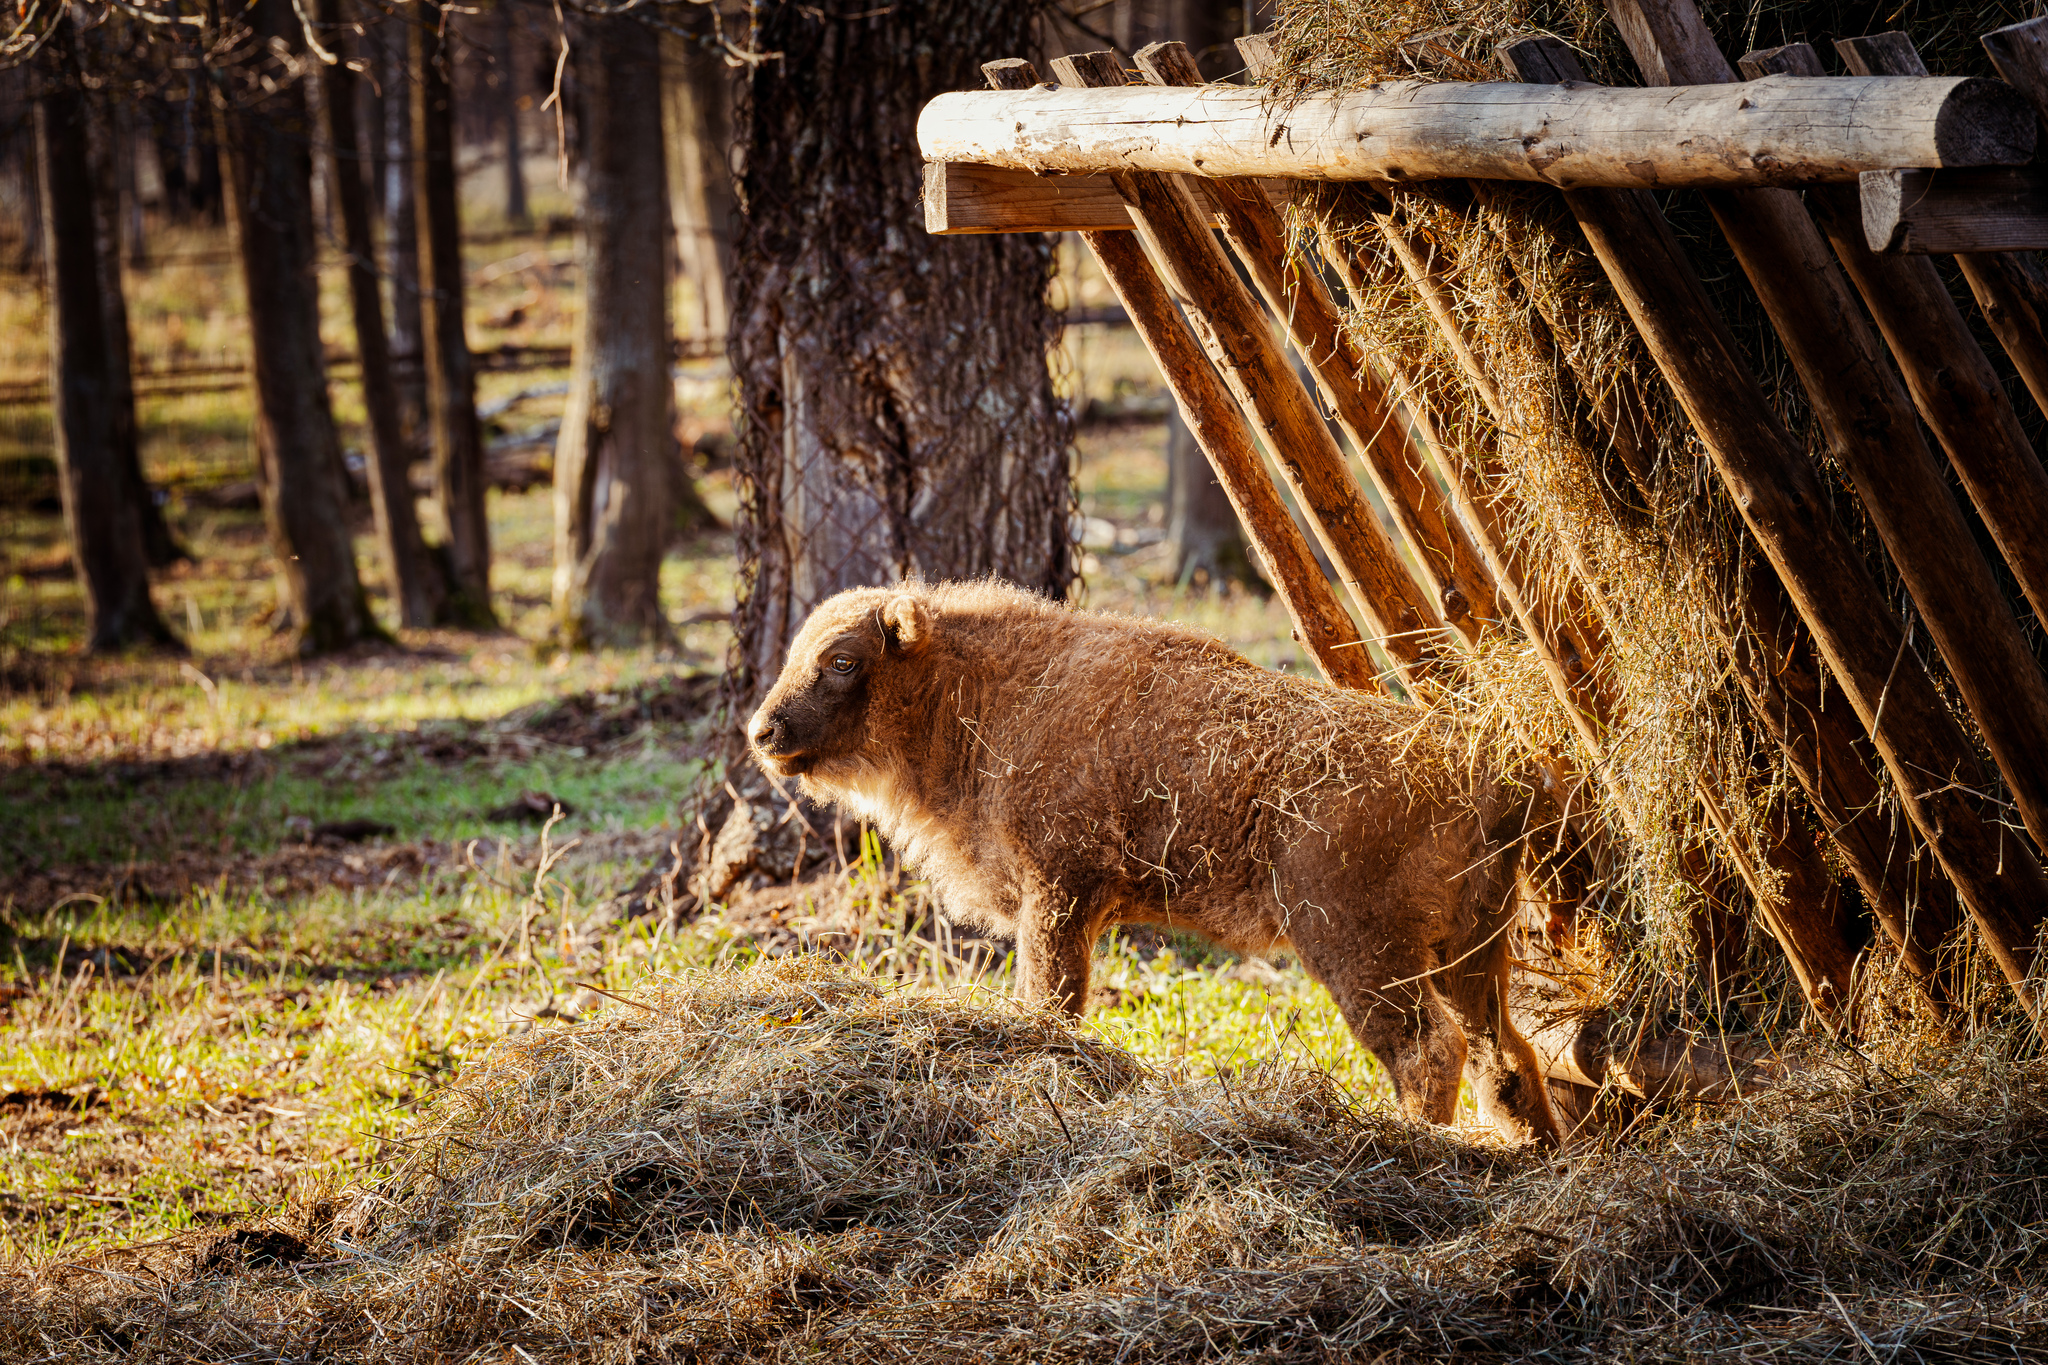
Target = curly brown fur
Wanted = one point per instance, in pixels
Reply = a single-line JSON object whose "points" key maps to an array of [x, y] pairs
{"points": [[1053, 772]]}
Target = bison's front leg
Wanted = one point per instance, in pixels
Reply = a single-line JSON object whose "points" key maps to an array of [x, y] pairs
{"points": [[1055, 941]]}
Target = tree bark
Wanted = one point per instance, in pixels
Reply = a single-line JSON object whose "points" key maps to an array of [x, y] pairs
{"points": [[613, 463], [109, 207], [504, 53], [271, 210], [457, 436], [697, 99], [1785, 131], [898, 417], [400, 196], [417, 590], [102, 509]]}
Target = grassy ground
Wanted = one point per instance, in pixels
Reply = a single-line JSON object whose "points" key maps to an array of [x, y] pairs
{"points": [[210, 998]]}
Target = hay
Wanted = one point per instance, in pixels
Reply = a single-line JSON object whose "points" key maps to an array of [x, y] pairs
{"points": [[794, 1163], [1654, 559]]}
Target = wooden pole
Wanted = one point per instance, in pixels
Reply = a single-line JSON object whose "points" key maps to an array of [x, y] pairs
{"points": [[2012, 290], [1787, 132], [1953, 385], [1779, 494], [1368, 414], [1773, 657], [1321, 625], [1875, 435], [1239, 339]]}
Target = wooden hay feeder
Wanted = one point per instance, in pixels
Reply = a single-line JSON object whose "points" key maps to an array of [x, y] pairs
{"points": [[1895, 164]]}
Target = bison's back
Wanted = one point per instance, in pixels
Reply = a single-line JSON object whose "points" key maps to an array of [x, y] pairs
{"points": [[1128, 742]]}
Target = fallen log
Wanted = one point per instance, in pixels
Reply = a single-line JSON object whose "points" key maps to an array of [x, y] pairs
{"points": [[1786, 131]]}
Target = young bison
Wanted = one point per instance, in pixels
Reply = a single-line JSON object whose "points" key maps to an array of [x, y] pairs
{"points": [[1054, 772]]}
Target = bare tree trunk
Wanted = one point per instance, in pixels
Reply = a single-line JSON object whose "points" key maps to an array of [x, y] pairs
{"points": [[101, 505], [504, 51], [1207, 544], [458, 442], [109, 205], [898, 415], [612, 464], [697, 102], [416, 585], [271, 208], [402, 232]]}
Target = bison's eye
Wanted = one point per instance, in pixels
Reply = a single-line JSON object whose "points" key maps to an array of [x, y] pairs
{"points": [[842, 664]]}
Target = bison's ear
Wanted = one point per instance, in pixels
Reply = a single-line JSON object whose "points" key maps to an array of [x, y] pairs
{"points": [[908, 622]]}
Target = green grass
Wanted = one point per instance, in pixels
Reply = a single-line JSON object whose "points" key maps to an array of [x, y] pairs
{"points": [[179, 1058]]}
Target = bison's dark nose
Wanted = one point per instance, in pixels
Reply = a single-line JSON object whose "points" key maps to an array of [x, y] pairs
{"points": [[769, 736]]}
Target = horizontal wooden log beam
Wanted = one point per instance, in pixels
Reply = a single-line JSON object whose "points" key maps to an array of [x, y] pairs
{"points": [[1782, 131], [962, 197], [1965, 210]]}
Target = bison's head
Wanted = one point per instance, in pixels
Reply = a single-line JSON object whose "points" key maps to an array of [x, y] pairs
{"points": [[817, 710]]}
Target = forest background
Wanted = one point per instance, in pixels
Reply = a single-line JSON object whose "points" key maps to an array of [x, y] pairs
{"points": [[393, 408]]}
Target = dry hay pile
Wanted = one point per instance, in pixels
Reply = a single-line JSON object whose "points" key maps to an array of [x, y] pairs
{"points": [[794, 1163], [1641, 545]]}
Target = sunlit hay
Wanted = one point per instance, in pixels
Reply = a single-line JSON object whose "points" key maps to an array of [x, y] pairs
{"points": [[1654, 556], [794, 1163]]}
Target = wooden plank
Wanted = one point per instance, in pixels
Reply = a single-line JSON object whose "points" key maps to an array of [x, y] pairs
{"points": [[1944, 212], [1368, 413], [1321, 625], [962, 197], [1238, 337], [1784, 132], [1780, 496]]}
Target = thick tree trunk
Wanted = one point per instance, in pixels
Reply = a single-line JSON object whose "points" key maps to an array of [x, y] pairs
{"points": [[613, 463], [271, 208], [400, 200], [697, 103], [417, 589], [899, 418], [458, 442], [101, 504], [503, 52], [109, 205]]}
